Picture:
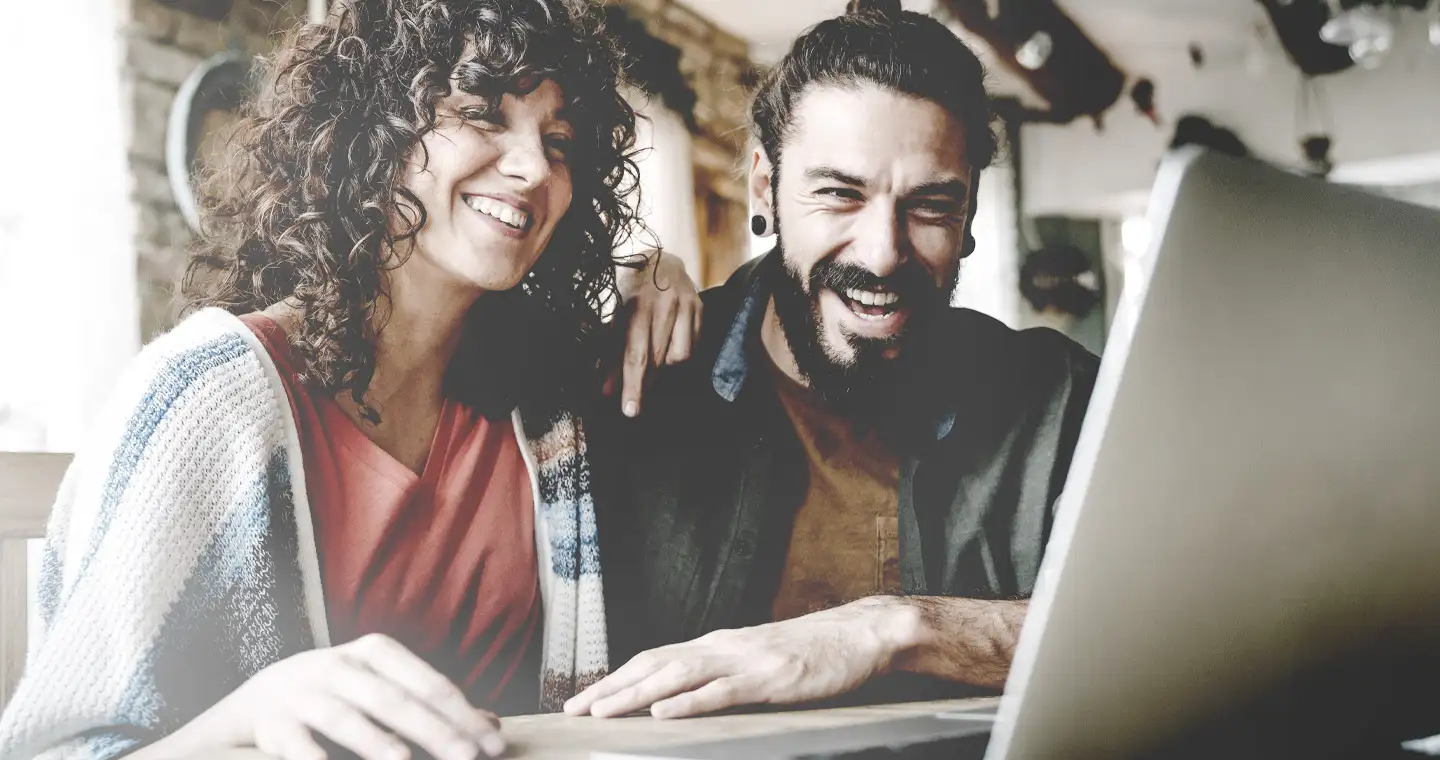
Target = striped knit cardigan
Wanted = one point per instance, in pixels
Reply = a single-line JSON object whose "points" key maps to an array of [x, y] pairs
{"points": [[180, 557]]}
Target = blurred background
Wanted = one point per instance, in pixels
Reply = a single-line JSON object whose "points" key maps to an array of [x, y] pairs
{"points": [[110, 105]]}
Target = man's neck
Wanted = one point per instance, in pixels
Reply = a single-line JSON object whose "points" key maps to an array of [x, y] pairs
{"points": [[772, 336]]}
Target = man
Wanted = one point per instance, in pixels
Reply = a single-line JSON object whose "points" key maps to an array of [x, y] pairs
{"points": [[852, 482]]}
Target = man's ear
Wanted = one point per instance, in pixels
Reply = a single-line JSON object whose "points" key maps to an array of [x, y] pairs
{"points": [[973, 204], [762, 177]]}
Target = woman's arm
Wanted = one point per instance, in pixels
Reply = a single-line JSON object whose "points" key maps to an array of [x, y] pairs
{"points": [[664, 310]]}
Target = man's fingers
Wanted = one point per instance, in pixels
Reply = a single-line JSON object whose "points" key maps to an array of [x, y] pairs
{"points": [[674, 678], [682, 336], [717, 695], [349, 728], [399, 665], [640, 667], [382, 700], [637, 357], [287, 740]]}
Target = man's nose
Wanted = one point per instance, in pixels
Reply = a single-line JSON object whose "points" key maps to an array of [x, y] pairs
{"points": [[879, 239]]}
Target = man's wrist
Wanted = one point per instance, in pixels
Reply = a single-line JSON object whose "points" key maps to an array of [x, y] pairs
{"points": [[901, 628]]}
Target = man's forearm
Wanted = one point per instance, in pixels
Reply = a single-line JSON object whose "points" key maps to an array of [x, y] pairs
{"points": [[966, 640]]}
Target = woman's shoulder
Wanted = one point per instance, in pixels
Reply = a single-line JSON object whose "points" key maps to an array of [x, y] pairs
{"points": [[211, 364]]}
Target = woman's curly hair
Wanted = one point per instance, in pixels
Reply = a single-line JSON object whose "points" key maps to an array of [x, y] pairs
{"points": [[307, 205]]}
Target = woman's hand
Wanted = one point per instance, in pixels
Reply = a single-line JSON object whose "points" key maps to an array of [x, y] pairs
{"points": [[368, 696], [665, 311]]}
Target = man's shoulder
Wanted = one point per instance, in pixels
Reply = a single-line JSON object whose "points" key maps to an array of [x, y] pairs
{"points": [[991, 353]]}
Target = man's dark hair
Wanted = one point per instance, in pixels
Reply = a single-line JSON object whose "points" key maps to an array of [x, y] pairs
{"points": [[876, 41]]}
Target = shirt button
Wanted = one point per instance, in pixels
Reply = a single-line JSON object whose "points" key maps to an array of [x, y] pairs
{"points": [[745, 545]]}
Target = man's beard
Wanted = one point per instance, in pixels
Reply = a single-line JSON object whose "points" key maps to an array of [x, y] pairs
{"points": [[868, 386]]}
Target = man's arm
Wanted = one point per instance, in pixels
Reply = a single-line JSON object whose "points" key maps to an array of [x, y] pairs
{"points": [[815, 657], [966, 640]]}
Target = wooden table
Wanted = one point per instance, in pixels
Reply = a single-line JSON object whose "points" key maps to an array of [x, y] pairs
{"points": [[557, 737]]}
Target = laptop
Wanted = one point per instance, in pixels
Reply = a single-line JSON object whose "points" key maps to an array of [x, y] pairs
{"points": [[1246, 559]]}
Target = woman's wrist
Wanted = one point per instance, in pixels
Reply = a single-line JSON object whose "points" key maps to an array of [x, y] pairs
{"points": [[211, 730]]}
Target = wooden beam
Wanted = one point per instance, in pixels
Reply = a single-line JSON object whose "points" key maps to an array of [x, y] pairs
{"points": [[1078, 79]]}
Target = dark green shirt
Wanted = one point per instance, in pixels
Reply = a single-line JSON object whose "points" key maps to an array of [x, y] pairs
{"points": [[695, 496]]}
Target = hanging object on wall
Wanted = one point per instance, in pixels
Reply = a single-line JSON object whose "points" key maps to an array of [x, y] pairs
{"points": [[1060, 278], [1297, 25], [1192, 129], [1366, 31], [1313, 128], [210, 95], [1036, 51], [1143, 96], [1197, 55]]}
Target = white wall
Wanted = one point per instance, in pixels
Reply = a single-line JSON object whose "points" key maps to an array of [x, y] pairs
{"points": [[1386, 126], [68, 313]]}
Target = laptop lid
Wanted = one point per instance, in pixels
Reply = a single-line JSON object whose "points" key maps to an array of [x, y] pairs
{"points": [[1256, 491]]}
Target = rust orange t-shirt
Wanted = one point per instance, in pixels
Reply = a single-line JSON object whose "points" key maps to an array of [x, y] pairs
{"points": [[844, 542], [444, 561]]}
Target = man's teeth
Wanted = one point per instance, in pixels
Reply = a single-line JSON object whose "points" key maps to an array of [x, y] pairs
{"points": [[871, 298], [502, 211]]}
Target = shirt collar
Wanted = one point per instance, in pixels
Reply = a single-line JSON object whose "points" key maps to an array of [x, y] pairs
{"points": [[732, 364]]}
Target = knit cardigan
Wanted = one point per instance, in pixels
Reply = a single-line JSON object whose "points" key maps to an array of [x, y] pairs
{"points": [[180, 557]]}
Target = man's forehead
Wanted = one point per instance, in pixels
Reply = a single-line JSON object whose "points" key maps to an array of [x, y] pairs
{"points": [[869, 131]]}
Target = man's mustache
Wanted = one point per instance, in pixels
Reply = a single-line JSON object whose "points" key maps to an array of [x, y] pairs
{"points": [[909, 281]]}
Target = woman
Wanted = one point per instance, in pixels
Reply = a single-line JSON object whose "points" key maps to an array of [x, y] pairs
{"points": [[319, 523]]}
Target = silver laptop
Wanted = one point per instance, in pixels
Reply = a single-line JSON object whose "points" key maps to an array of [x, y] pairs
{"points": [[1255, 493]]}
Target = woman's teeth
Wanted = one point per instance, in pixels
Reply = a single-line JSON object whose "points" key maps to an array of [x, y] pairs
{"points": [[504, 212]]}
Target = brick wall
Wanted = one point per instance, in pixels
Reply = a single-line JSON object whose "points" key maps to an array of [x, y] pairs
{"points": [[718, 68], [161, 46]]}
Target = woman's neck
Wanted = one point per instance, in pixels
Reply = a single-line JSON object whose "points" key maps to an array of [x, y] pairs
{"points": [[418, 328]]}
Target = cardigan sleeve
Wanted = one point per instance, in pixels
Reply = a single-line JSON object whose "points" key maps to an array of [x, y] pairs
{"points": [[169, 573]]}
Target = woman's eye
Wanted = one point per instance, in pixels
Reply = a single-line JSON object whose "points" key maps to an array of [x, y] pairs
{"points": [[480, 114], [558, 147]]}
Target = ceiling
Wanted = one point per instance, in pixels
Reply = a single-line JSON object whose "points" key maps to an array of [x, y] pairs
{"points": [[770, 25], [1140, 35]]}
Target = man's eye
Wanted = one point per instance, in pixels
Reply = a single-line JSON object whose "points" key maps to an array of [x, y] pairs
{"points": [[842, 193], [939, 210]]}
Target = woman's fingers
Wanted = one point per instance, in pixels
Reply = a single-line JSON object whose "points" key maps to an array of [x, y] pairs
{"points": [[683, 334], [394, 662], [288, 740], [637, 359], [404, 714], [662, 325], [345, 725]]}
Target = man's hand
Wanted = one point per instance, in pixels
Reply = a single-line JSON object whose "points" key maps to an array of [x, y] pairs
{"points": [[664, 320], [813, 657]]}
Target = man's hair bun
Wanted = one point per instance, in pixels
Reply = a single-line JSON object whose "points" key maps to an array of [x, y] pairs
{"points": [[889, 8]]}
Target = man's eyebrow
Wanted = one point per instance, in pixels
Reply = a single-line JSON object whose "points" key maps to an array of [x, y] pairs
{"points": [[954, 188], [834, 175]]}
